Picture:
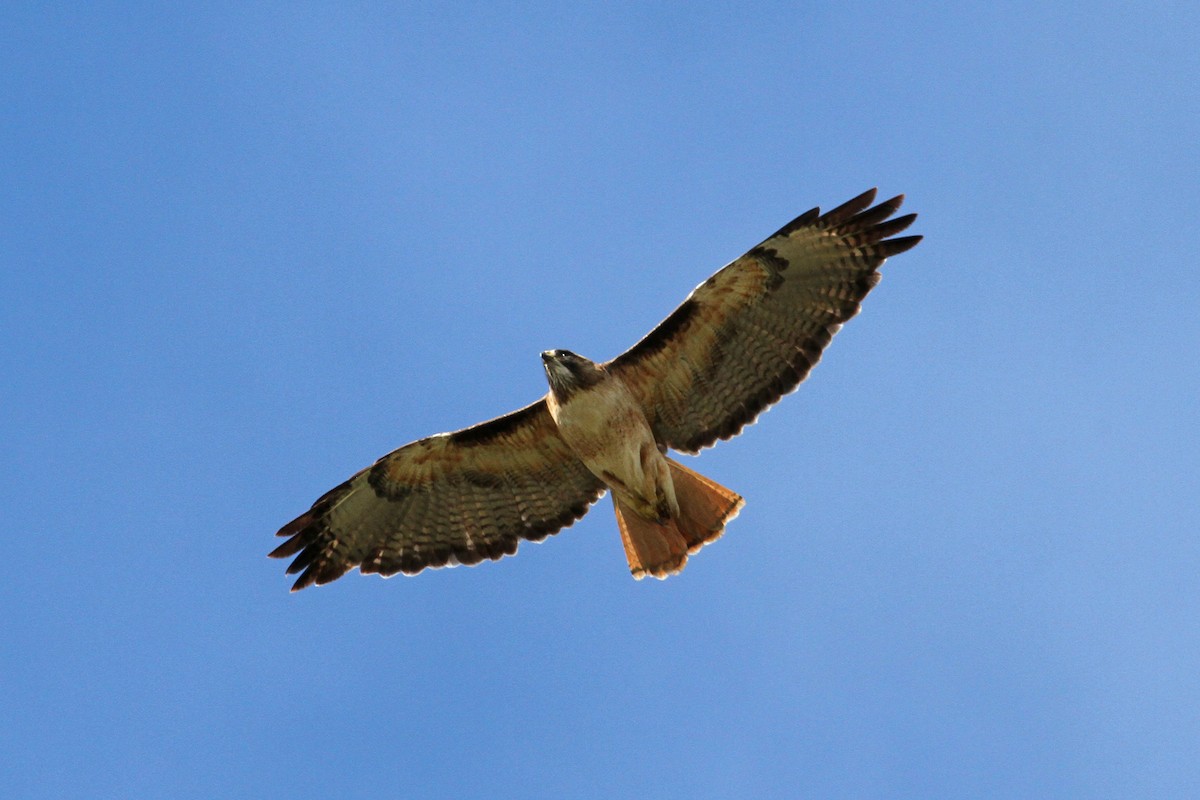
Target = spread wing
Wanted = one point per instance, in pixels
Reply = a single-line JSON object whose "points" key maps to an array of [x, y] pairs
{"points": [[454, 498], [750, 333]]}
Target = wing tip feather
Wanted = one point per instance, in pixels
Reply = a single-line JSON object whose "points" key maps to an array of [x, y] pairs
{"points": [[803, 221], [849, 208], [893, 226], [901, 244]]}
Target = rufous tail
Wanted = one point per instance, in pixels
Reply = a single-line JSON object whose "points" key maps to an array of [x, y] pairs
{"points": [[705, 507]]}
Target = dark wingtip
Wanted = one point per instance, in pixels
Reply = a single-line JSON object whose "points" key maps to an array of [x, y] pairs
{"points": [[893, 226], [802, 221], [891, 247], [295, 525], [284, 550], [301, 533], [306, 579], [849, 208]]}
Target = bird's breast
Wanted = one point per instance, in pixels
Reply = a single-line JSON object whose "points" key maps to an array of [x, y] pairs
{"points": [[606, 429]]}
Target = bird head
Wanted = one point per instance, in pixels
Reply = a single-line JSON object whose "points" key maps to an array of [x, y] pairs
{"points": [[567, 372]]}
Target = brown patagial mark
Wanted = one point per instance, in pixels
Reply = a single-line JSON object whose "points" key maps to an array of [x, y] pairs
{"points": [[741, 340]]}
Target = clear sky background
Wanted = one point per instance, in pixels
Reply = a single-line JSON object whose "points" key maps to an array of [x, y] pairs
{"points": [[248, 248]]}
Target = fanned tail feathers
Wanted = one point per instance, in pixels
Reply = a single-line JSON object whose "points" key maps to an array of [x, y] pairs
{"points": [[705, 507]]}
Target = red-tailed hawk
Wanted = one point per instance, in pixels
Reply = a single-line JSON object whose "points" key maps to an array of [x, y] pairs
{"points": [[741, 340]]}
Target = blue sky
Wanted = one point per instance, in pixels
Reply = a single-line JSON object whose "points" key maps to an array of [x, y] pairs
{"points": [[248, 248]]}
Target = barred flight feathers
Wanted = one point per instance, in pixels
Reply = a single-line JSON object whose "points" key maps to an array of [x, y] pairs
{"points": [[742, 339], [751, 332], [454, 498]]}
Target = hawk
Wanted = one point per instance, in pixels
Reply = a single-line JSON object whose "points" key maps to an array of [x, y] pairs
{"points": [[740, 341]]}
